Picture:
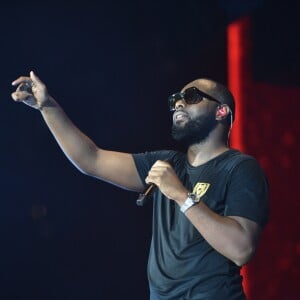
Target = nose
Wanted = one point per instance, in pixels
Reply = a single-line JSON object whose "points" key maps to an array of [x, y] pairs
{"points": [[180, 104]]}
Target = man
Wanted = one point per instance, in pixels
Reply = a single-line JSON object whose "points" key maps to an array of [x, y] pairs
{"points": [[210, 204]]}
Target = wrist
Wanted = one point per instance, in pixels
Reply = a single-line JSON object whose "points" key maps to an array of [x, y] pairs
{"points": [[191, 200], [49, 102], [181, 197]]}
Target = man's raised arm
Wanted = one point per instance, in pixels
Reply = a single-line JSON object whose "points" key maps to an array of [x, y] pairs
{"points": [[114, 167]]}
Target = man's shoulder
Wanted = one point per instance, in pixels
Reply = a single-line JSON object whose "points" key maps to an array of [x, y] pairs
{"points": [[235, 154], [242, 164], [235, 157]]}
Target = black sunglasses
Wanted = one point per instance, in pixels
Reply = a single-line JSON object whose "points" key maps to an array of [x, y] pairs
{"points": [[191, 96]]}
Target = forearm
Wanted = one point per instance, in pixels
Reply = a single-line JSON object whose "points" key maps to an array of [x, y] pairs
{"points": [[79, 149], [234, 237], [224, 234]]}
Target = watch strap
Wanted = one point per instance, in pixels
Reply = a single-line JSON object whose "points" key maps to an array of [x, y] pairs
{"points": [[189, 202]]}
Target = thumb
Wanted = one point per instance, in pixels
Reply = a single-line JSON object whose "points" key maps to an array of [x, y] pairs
{"points": [[34, 78]]}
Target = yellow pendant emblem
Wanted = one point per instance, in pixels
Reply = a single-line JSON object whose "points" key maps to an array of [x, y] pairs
{"points": [[201, 188]]}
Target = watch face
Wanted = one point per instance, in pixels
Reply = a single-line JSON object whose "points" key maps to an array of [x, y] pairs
{"points": [[194, 197]]}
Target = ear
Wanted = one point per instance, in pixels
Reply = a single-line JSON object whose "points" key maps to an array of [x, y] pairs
{"points": [[222, 112]]}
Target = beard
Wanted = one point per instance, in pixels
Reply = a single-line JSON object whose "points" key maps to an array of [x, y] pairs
{"points": [[195, 131]]}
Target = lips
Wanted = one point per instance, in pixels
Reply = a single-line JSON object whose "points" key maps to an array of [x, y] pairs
{"points": [[180, 116]]}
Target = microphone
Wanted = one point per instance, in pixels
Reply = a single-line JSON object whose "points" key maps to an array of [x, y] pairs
{"points": [[145, 194], [148, 191]]}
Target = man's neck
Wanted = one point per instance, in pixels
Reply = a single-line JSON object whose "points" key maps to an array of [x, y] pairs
{"points": [[201, 153]]}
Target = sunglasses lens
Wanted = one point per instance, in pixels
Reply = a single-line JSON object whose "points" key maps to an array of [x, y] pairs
{"points": [[192, 96]]}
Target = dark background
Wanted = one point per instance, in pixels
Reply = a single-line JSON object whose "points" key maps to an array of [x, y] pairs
{"points": [[112, 65]]}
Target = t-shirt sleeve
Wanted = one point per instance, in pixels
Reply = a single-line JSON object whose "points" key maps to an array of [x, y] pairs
{"points": [[247, 194]]}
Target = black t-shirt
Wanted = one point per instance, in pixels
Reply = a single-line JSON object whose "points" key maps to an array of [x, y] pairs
{"points": [[182, 265]]}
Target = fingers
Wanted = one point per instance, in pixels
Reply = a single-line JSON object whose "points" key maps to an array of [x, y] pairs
{"points": [[21, 79], [161, 166], [162, 163], [20, 96], [159, 170], [31, 91], [34, 78], [27, 87], [165, 178]]}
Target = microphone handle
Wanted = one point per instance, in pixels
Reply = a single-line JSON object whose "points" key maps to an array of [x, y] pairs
{"points": [[148, 191], [145, 194]]}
